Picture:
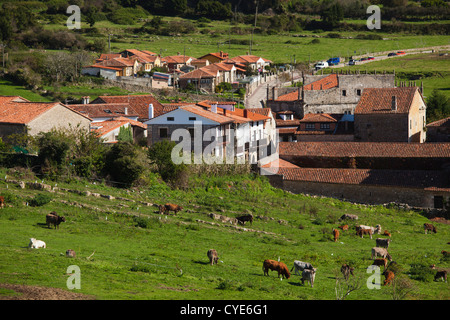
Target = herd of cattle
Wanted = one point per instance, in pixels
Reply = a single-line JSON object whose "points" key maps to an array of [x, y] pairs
{"points": [[379, 253]]}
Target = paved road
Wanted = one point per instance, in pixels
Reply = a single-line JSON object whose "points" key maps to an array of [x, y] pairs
{"points": [[260, 93]]}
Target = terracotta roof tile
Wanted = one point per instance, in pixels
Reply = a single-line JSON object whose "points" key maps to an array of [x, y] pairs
{"points": [[440, 123], [318, 117], [328, 82], [103, 110], [365, 149], [207, 114], [379, 100], [421, 179], [138, 103]]}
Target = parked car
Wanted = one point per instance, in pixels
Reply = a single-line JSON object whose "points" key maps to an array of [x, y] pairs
{"points": [[400, 52], [321, 65], [352, 62], [333, 61], [371, 58], [363, 59], [392, 54]]}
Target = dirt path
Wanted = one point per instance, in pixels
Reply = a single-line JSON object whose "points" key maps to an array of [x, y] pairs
{"points": [[24, 292]]}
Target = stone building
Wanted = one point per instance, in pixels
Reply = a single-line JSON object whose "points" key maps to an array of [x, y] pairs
{"points": [[332, 94], [18, 115], [391, 115]]}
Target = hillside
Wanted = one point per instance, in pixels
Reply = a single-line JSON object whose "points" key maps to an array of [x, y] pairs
{"points": [[126, 250]]}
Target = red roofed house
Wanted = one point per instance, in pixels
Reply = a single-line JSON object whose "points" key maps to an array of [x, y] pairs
{"points": [[140, 104], [391, 115], [215, 57], [18, 115], [108, 130], [200, 79]]}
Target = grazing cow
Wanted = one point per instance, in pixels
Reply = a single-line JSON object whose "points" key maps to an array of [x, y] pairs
{"points": [[70, 253], [362, 232], [347, 270], [376, 229], [389, 275], [386, 233], [380, 262], [380, 252], [445, 253], [383, 243], [336, 235], [300, 266], [441, 275], [430, 227], [244, 218], [269, 264], [283, 270], [309, 275], [36, 244], [2, 202], [343, 227], [349, 216], [213, 257], [53, 218], [170, 207]]}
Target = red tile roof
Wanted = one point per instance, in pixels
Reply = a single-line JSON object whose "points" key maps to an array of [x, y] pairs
{"points": [[328, 82], [440, 123], [422, 179], [207, 114], [379, 100], [104, 127], [199, 73], [102, 110], [138, 103], [318, 117], [365, 149]]}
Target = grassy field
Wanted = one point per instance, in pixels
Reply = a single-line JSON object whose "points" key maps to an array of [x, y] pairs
{"points": [[139, 254], [7, 88]]}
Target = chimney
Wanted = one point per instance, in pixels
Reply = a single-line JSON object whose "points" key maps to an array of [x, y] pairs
{"points": [[125, 111], [221, 54], [85, 99], [394, 103], [224, 112], [214, 107], [245, 113], [150, 111]]}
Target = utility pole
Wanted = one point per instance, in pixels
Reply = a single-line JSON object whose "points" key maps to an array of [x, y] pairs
{"points": [[253, 30]]}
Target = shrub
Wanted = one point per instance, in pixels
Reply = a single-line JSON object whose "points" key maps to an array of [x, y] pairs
{"points": [[40, 200], [421, 272]]}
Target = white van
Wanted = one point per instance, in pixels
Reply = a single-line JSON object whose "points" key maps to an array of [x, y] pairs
{"points": [[321, 65]]}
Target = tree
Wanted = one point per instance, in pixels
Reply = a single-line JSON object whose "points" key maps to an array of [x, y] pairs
{"points": [[438, 106], [333, 15], [91, 16], [160, 154], [125, 134]]}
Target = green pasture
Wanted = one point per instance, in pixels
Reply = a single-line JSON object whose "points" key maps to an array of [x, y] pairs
{"points": [[139, 254], [7, 88]]}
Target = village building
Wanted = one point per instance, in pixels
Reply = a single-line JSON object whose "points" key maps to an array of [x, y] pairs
{"points": [[391, 115], [108, 130], [215, 57], [101, 112], [439, 131], [18, 115]]}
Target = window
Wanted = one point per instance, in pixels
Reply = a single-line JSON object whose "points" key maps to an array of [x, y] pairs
{"points": [[344, 93], [170, 118], [358, 92], [163, 132], [325, 126], [192, 118], [310, 126]]}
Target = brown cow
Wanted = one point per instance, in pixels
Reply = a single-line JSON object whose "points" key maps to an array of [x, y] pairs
{"points": [[269, 264], [170, 207], [343, 227], [53, 218], [70, 253], [362, 232], [213, 257], [429, 226], [386, 233], [347, 270], [283, 270], [389, 275], [336, 235], [380, 262]]}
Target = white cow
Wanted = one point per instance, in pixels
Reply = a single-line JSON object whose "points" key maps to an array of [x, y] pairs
{"points": [[380, 252], [300, 266], [36, 244], [309, 275], [376, 229]]}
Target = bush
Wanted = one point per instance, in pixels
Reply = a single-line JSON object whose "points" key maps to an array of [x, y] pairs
{"points": [[421, 272], [40, 200]]}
